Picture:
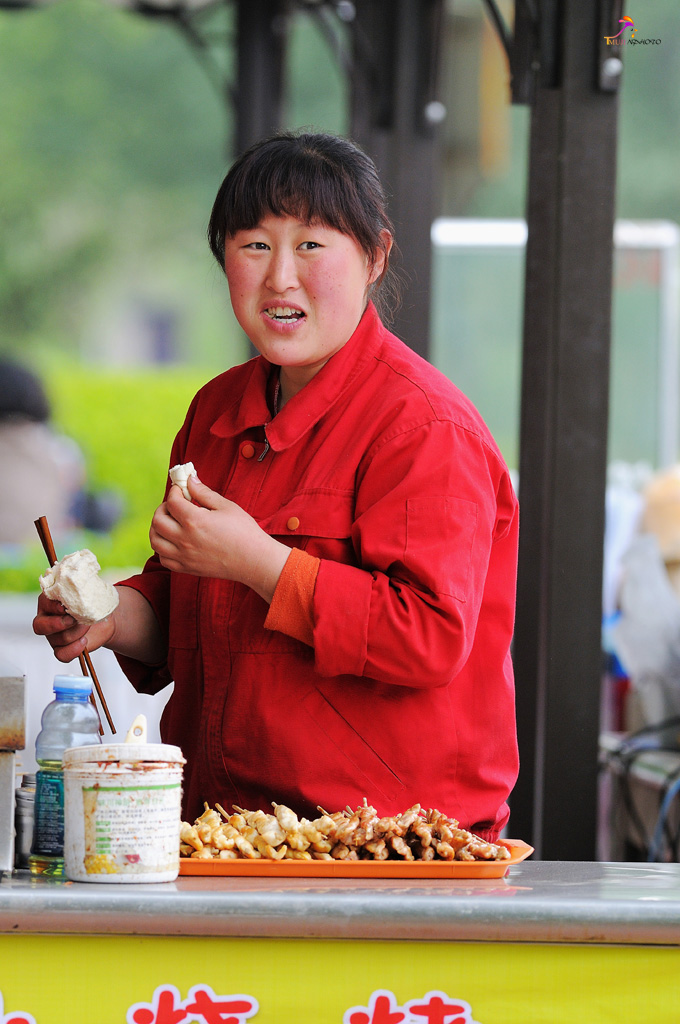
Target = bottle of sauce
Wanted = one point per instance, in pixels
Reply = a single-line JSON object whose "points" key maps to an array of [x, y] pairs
{"points": [[70, 720]]}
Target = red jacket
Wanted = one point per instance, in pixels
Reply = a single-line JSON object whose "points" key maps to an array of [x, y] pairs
{"points": [[381, 468]]}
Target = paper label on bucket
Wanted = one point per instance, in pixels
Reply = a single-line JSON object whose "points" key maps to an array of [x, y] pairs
{"points": [[130, 828]]}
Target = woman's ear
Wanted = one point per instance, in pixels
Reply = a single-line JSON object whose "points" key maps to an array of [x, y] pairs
{"points": [[381, 257]]}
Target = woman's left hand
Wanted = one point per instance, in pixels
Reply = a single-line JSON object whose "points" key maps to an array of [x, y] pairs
{"points": [[216, 538]]}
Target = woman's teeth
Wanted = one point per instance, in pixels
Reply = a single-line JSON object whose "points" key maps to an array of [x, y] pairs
{"points": [[284, 314]]}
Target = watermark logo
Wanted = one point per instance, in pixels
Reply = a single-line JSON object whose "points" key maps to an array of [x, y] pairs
{"points": [[621, 39], [627, 23]]}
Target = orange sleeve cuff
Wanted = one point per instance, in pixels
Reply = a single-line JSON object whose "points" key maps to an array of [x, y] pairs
{"points": [[292, 607]]}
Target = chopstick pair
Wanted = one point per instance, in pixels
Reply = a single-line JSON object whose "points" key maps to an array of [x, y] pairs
{"points": [[85, 661]]}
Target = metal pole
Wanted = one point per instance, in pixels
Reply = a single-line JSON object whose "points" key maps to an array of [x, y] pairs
{"points": [[563, 444], [397, 46], [261, 42]]}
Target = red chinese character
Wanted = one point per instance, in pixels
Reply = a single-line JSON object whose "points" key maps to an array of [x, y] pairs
{"points": [[436, 1009], [382, 1009], [14, 1018], [201, 1005], [205, 1005], [167, 1008]]}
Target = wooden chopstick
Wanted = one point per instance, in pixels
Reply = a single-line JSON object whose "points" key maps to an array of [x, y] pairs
{"points": [[84, 658]]}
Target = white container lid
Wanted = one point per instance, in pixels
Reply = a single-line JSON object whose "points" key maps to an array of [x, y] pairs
{"points": [[96, 754]]}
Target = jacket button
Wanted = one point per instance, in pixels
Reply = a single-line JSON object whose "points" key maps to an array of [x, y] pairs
{"points": [[293, 523], [248, 451]]}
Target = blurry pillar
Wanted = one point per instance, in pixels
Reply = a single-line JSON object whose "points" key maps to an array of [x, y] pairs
{"points": [[563, 443], [261, 31], [261, 37], [395, 116]]}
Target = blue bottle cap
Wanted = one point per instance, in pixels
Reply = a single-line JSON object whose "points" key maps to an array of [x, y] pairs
{"points": [[72, 684]]}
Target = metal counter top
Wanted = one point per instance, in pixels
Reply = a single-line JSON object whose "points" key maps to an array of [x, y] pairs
{"points": [[542, 901]]}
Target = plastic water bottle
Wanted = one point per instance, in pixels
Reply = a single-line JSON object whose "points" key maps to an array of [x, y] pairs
{"points": [[70, 720]]}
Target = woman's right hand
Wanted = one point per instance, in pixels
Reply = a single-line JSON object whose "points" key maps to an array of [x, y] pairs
{"points": [[67, 637]]}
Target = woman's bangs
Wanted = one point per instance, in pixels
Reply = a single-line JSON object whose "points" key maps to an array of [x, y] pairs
{"points": [[281, 190]]}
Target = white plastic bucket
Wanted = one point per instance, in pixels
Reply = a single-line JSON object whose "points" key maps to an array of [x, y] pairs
{"points": [[122, 812]]}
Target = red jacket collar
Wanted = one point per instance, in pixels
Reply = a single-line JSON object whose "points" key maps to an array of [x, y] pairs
{"points": [[307, 407]]}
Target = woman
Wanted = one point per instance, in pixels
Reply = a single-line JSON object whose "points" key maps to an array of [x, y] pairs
{"points": [[335, 605]]}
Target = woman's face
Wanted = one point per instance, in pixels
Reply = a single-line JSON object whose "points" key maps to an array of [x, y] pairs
{"points": [[298, 291]]}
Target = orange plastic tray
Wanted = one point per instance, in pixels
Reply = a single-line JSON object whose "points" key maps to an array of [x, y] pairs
{"points": [[519, 851]]}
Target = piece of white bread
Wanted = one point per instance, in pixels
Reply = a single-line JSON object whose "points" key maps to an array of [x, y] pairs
{"points": [[75, 582], [180, 474]]}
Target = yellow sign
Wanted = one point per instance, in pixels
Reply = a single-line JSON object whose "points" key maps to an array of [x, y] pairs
{"points": [[198, 980]]}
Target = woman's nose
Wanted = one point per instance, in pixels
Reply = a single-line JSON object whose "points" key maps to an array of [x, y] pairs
{"points": [[282, 272]]}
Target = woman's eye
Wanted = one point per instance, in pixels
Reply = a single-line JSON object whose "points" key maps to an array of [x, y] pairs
{"points": [[306, 246], [256, 245]]}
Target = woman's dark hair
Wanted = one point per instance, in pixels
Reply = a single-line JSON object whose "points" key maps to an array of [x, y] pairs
{"points": [[316, 178]]}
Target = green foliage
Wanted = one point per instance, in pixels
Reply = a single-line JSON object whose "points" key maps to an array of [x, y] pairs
{"points": [[125, 424], [114, 140], [112, 146], [19, 573]]}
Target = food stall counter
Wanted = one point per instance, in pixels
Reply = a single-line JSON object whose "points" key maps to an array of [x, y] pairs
{"points": [[570, 940]]}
